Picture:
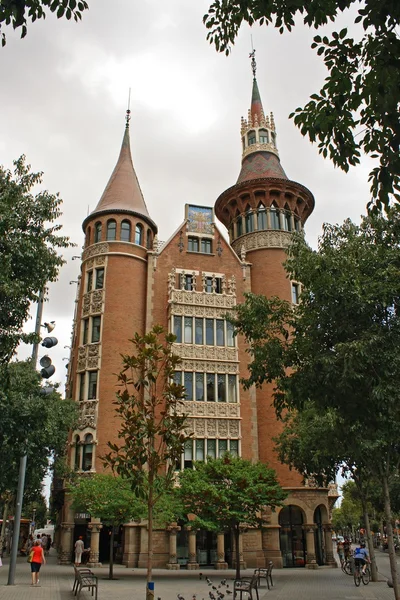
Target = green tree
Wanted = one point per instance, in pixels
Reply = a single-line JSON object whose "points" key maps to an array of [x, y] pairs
{"points": [[30, 423], [29, 245], [150, 408], [340, 347], [37, 507], [109, 499], [356, 110], [320, 444], [228, 494], [17, 12]]}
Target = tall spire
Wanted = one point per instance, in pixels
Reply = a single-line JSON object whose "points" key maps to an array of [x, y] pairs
{"points": [[260, 156], [122, 192]]}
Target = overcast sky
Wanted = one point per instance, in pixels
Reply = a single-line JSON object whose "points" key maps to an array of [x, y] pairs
{"points": [[64, 94]]}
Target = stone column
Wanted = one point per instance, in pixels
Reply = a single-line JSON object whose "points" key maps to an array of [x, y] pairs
{"points": [[65, 550], [271, 545], [172, 563], [221, 564], [311, 562], [131, 544], [329, 558], [95, 526], [192, 564]]}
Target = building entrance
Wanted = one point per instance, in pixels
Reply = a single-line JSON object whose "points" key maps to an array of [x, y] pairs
{"points": [[206, 548], [319, 538], [292, 538]]}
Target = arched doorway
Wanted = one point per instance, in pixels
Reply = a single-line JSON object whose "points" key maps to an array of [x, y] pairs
{"points": [[292, 538], [319, 537], [320, 518]]}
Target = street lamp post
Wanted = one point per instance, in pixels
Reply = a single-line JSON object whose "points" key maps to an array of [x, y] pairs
{"points": [[22, 463]]}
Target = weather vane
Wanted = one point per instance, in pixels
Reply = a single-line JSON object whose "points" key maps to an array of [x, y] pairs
{"points": [[128, 112], [252, 55]]}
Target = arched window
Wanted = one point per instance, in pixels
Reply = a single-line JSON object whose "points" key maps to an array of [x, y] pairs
{"points": [[97, 232], [263, 136], [274, 214], [125, 231], [287, 219], [111, 230], [88, 236], [249, 220], [261, 217], [251, 138], [87, 458], [139, 234], [239, 226], [149, 240], [78, 453]]}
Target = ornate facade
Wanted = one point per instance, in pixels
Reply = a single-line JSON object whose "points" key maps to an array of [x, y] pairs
{"points": [[129, 282]]}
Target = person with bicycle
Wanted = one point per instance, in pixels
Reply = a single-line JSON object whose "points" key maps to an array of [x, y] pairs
{"points": [[346, 548], [361, 557]]}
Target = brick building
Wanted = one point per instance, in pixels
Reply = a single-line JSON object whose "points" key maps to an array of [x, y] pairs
{"points": [[129, 282]]}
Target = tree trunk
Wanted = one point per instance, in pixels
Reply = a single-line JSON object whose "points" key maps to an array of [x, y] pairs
{"points": [[389, 533], [374, 570], [237, 550], [3, 526], [111, 568], [150, 588]]}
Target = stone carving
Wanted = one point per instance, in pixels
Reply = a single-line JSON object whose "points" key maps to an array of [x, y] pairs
{"points": [[211, 427], [86, 305], [90, 264], [234, 428], [200, 427], [223, 428], [210, 367], [95, 250], [262, 239], [212, 409], [232, 286], [205, 352], [200, 298], [87, 414], [100, 260]]}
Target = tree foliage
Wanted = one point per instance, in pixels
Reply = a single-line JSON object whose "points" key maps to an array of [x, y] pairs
{"points": [[339, 349], [357, 109], [29, 250], [149, 405], [31, 424], [229, 493], [17, 13], [109, 499]]}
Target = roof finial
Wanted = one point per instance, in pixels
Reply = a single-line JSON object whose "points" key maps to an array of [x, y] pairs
{"points": [[128, 112], [252, 55]]}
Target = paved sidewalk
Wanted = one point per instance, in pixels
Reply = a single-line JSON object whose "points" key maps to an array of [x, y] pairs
{"points": [[297, 584]]}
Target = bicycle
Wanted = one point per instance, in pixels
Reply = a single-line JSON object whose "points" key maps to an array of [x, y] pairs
{"points": [[346, 566], [360, 575]]}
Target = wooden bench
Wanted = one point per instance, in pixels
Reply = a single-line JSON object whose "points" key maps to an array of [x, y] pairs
{"points": [[84, 578], [267, 573], [246, 585]]}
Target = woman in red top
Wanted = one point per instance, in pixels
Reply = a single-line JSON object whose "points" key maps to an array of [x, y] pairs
{"points": [[37, 560]]}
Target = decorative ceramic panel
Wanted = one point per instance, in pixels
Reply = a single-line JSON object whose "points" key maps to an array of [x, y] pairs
{"points": [[199, 219]]}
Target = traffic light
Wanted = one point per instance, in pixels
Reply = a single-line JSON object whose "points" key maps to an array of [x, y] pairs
{"points": [[49, 342], [48, 369]]}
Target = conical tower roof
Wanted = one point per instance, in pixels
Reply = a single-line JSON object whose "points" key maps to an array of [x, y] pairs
{"points": [[122, 192], [260, 154]]}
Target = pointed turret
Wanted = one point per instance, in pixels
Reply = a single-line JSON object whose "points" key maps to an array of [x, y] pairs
{"points": [[122, 192], [260, 154]]}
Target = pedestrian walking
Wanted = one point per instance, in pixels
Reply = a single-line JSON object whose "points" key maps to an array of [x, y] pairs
{"points": [[44, 543], [79, 548], [37, 559]]}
